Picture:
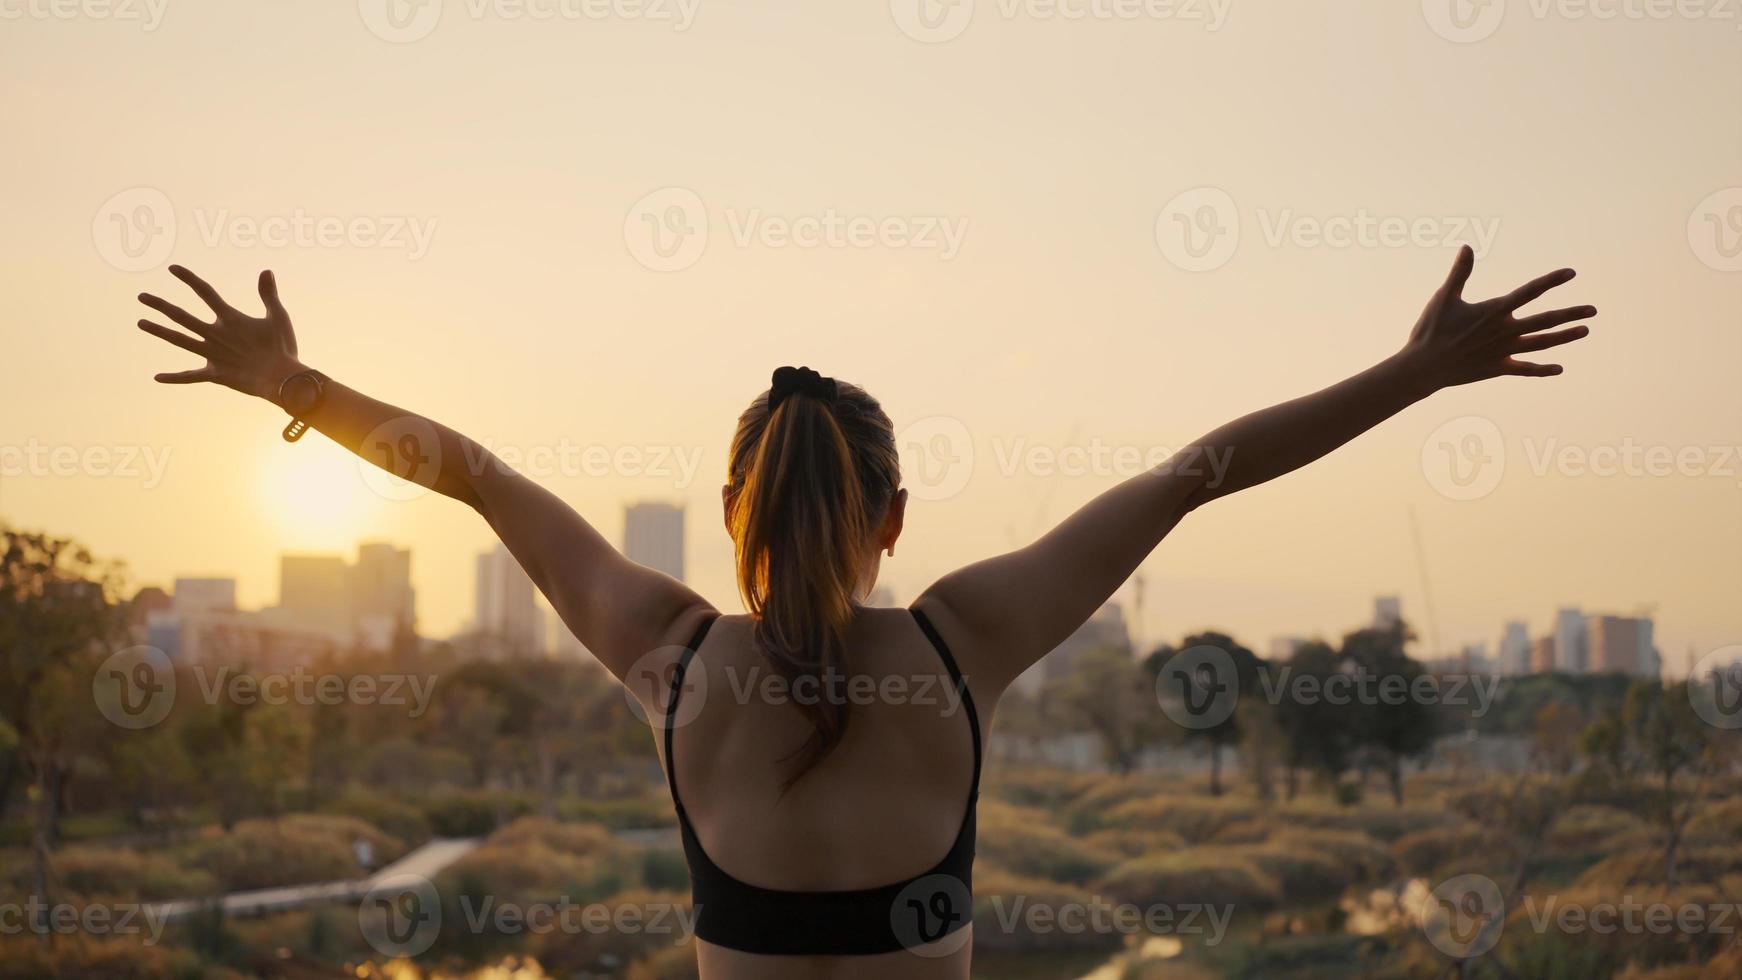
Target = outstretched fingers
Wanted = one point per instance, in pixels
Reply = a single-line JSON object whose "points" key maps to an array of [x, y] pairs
{"points": [[1462, 266], [1543, 341], [176, 337], [176, 313], [202, 289], [1525, 369], [1535, 288], [186, 377], [269, 294], [1554, 318]]}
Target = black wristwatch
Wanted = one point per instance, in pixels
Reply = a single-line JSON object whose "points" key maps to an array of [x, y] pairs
{"points": [[301, 395]]}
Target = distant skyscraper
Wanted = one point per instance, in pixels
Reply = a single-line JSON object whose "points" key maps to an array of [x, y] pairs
{"points": [[653, 536], [313, 592], [1514, 654], [195, 595], [1387, 612], [1621, 644], [1542, 655], [506, 606], [381, 583], [1569, 641]]}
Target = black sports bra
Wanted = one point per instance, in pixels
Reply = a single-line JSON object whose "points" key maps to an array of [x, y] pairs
{"points": [[903, 915]]}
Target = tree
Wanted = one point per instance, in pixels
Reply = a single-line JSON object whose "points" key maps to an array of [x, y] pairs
{"points": [[1317, 734], [1246, 670], [1112, 695], [1555, 736], [1393, 727]]}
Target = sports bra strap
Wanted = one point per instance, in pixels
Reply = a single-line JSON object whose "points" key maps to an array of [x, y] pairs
{"points": [[961, 685], [677, 682]]}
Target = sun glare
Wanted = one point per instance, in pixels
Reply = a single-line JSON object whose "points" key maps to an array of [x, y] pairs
{"points": [[316, 498]]}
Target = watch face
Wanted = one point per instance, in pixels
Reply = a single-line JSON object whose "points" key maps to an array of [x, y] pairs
{"points": [[300, 394]]}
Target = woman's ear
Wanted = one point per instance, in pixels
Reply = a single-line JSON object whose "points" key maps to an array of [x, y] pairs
{"points": [[893, 521]]}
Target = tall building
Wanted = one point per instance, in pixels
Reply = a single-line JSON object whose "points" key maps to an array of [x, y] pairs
{"points": [[363, 605], [1514, 653], [1621, 644], [196, 595], [1387, 612], [653, 536], [1542, 656], [505, 607], [383, 602], [1569, 641], [313, 592]]}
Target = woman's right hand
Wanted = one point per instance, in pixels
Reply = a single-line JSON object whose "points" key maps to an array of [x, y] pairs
{"points": [[1457, 342], [248, 353]]}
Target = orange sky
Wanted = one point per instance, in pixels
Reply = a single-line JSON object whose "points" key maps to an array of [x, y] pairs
{"points": [[983, 224]]}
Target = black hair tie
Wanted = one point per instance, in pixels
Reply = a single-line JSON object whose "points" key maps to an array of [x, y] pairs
{"points": [[789, 381]]}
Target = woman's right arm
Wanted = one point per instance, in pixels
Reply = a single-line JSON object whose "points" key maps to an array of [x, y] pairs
{"points": [[1008, 612], [620, 610]]}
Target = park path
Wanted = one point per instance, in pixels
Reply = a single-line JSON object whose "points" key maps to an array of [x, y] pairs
{"points": [[427, 861]]}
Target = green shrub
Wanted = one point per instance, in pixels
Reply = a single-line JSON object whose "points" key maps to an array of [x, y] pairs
{"points": [[118, 873], [1021, 839], [1196, 819], [474, 813], [401, 820], [1019, 914], [1205, 876]]}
